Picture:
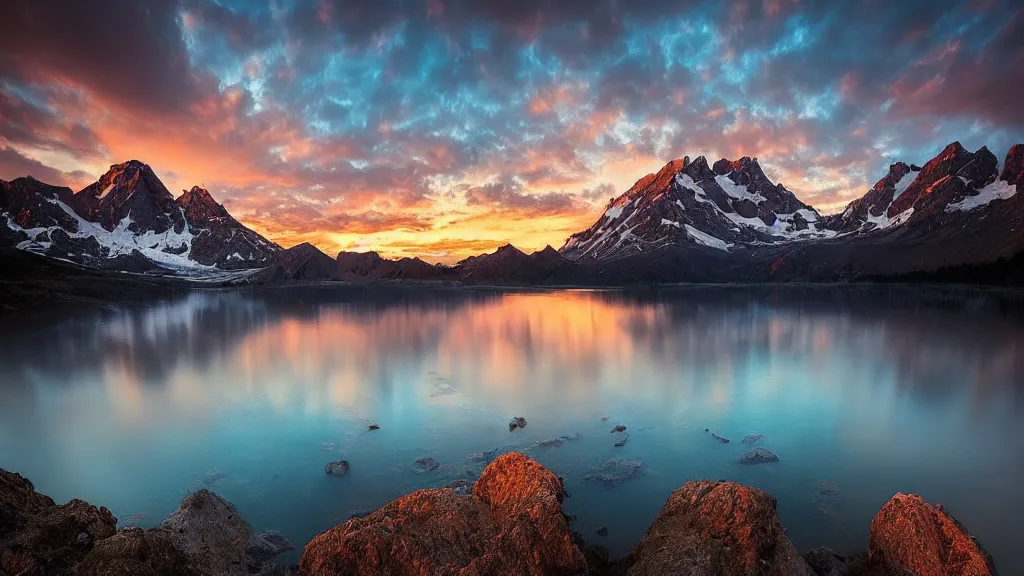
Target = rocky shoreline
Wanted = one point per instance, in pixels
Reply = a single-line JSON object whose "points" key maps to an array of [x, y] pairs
{"points": [[512, 524]]}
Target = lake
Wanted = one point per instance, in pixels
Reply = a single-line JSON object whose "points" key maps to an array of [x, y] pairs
{"points": [[861, 391]]}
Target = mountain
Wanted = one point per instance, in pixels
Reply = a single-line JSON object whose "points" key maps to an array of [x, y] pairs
{"points": [[509, 265], [366, 267], [692, 204], [301, 263], [128, 220]]}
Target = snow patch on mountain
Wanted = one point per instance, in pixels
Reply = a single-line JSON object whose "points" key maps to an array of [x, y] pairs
{"points": [[998, 190], [738, 191], [706, 239]]}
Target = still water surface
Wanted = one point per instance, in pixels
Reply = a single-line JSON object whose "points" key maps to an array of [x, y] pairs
{"points": [[861, 392]]}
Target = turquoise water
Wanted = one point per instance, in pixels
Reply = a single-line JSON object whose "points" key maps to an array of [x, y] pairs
{"points": [[861, 392]]}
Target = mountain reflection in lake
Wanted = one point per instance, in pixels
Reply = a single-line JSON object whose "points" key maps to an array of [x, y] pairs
{"points": [[866, 391]]}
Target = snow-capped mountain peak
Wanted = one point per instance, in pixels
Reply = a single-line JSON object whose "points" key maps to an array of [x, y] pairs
{"points": [[691, 203], [128, 220]]}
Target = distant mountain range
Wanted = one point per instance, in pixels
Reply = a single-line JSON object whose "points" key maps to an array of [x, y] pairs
{"points": [[690, 222]]}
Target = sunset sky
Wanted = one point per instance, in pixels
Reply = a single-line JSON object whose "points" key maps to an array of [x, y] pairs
{"points": [[445, 128]]}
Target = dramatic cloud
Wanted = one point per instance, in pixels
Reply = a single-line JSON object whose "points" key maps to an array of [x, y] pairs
{"points": [[445, 128]]}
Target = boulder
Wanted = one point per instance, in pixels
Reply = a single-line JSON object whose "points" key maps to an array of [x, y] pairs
{"points": [[910, 535], [136, 552], [548, 443], [461, 486], [758, 455], [618, 428], [719, 438], [38, 536], [210, 532], [710, 528], [516, 422], [512, 524]]}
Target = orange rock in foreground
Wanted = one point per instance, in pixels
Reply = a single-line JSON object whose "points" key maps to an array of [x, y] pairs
{"points": [[710, 528], [512, 524], [911, 535]]}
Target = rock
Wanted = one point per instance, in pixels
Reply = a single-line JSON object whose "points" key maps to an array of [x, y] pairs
{"points": [[212, 475], [758, 455], [752, 438], [827, 488], [136, 552], [719, 438], [706, 430], [461, 486], [605, 418], [910, 535], [268, 545], [517, 422], [574, 436], [622, 442], [511, 525], [210, 532], [615, 472], [915, 168], [602, 531], [552, 442], [38, 536], [618, 428], [482, 456], [708, 528], [372, 427], [427, 464], [825, 562], [339, 468]]}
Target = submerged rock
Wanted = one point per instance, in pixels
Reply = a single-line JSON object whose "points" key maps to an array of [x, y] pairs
{"points": [[574, 436], [511, 525], [622, 442], [212, 475], [825, 562], [758, 455], [427, 464], [339, 468], [552, 442], [752, 438], [708, 528], [372, 427], [719, 438], [516, 422], [482, 456], [602, 531], [618, 428], [910, 535], [615, 472], [268, 545]]}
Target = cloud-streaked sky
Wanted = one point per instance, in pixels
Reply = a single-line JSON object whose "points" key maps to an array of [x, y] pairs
{"points": [[445, 128]]}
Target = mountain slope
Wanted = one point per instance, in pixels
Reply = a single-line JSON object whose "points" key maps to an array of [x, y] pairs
{"points": [[220, 240], [301, 263], [128, 220]]}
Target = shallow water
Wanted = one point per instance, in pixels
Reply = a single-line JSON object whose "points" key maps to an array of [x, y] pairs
{"points": [[862, 392]]}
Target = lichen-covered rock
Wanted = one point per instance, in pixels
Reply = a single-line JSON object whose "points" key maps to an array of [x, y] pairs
{"points": [[136, 552], [910, 535], [512, 524], [210, 532], [39, 537], [710, 528]]}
